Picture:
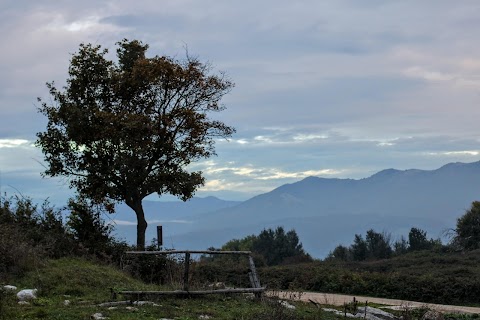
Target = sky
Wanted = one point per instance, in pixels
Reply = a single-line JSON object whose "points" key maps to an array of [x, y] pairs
{"points": [[335, 89]]}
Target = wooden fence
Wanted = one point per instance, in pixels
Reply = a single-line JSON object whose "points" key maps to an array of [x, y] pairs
{"points": [[256, 287]]}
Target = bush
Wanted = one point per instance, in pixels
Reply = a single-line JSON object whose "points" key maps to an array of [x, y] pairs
{"points": [[32, 234], [17, 253]]}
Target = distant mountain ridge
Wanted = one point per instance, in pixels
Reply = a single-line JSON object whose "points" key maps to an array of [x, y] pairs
{"points": [[326, 212]]}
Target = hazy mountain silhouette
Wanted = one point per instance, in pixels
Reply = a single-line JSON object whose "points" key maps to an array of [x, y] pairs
{"points": [[326, 212], [175, 216]]}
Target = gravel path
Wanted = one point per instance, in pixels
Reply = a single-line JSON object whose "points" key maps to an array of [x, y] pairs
{"points": [[340, 299]]}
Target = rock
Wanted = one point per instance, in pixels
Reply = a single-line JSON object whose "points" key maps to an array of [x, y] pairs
{"points": [[433, 315], [374, 314], [131, 308], [98, 316], [23, 303], [114, 303], [112, 308], [287, 305], [216, 285], [204, 316], [143, 303], [9, 288], [27, 294], [66, 302], [338, 312], [371, 314]]}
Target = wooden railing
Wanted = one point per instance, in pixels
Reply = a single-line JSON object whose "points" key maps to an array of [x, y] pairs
{"points": [[256, 287]]}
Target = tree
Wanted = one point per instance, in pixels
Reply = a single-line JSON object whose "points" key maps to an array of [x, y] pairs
{"points": [[87, 225], [359, 248], [121, 131], [244, 244], [400, 246], [417, 239], [340, 253], [277, 247], [468, 228], [378, 245]]}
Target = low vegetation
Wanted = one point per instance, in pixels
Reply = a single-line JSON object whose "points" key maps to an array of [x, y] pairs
{"points": [[69, 254], [419, 269], [448, 278], [85, 284]]}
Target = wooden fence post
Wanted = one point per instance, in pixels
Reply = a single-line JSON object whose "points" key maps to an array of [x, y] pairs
{"points": [[253, 276], [187, 267], [257, 289]]}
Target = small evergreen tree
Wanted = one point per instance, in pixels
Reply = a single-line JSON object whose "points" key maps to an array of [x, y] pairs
{"points": [[467, 232], [378, 245], [276, 246], [87, 226], [417, 239], [359, 248], [400, 246], [340, 253]]}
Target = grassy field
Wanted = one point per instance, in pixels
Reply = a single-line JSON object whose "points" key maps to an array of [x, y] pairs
{"points": [[425, 276], [86, 284], [434, 277]]}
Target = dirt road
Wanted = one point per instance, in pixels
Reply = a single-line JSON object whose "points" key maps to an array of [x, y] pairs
{"points": [[340, 299]]}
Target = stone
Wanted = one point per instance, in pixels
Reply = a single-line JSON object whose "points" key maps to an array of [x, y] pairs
{"points": [[433, 315], [287, 305], [27, 294], [371, 313], [131, 308], [374, 314], [144, 303], [216, 286], [98, 316], [9, 288]]}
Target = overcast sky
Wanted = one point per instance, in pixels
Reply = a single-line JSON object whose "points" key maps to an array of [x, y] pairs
{"points": [[336, 89]]}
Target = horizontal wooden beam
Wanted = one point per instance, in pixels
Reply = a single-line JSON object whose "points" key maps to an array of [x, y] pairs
{"points": [[189, 251], [195, 292]]}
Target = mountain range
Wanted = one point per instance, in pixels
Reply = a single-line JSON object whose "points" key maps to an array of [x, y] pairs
{"points": [[324, 212]]}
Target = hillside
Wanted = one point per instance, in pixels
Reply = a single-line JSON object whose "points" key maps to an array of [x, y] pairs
{"points": [[75, 288], [327, 212]]}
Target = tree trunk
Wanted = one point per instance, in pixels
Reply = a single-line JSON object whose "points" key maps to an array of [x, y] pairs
{"points": [[136, 205]]}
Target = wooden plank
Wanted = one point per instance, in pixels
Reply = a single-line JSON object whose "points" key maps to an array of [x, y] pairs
{"points": [[189, 251], [195, 292], [185, 275], [253, 270], [252, 282]]}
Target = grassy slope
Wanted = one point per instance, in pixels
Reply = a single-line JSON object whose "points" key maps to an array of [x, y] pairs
{"points": [[85, 284], [452, 278]]}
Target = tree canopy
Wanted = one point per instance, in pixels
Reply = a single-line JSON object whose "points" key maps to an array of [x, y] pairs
{"points": [[417, 239], [123, 130], [273, 246], [468, 228]]}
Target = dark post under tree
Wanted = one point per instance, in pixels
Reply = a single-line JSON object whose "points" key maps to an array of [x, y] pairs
{"points": [[121, 131]]}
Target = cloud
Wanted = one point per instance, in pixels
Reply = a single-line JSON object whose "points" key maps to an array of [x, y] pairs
{"points": [[257, 173], [337, 89], [471, 153], [13, 143], [276, 174], [436, 76]]}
